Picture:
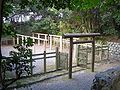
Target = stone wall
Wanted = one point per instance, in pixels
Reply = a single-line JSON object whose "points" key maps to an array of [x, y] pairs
{"points": [[114, 50], [107, 80]]}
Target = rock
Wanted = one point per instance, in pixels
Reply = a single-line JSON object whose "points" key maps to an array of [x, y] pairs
{"points": [[107, 80]]}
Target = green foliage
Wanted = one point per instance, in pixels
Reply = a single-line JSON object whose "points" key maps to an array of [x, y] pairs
{"points": [[19, 60], [84, 4], [8, 29], [92, 16], [8, 8], [45, 25], [110, 17]]}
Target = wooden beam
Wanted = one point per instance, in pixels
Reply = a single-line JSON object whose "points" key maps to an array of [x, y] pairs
{"points": [[77, 42], [77, 35]]}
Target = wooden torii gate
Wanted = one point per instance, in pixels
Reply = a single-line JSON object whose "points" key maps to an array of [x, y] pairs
{"points": [[78, 35]]}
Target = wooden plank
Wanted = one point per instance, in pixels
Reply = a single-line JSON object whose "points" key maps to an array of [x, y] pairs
{"points": [[55, 36], [38, 58], [51, 53], [37, 54], [43, 53], [41, 34], [70, 58], [31, 37], [43, 57], [51, 56], [77, 35]]}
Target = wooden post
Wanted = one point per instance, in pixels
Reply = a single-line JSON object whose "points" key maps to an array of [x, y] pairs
{"points": [[38, 39], [45, 41], [44, 61], [108, 53], [13, 40], [70, 58], [22, 40], [60, 43], [77, 51], [33, 36], [50, 42], [57, 58], [93, 54], [26, 38], [17, 39], [31, 64], [101, 53], [33, 47]]}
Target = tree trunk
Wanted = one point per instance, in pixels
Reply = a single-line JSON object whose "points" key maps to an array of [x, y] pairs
{"points": [[1, 27]]}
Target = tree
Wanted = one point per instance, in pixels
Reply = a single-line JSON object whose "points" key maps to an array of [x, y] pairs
{"points": [[10, 6], [94, 15], [1, 22]]}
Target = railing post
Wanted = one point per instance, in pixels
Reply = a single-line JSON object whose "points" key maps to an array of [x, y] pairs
{"points": [[77, 54], [108, 52], [17, 39], [50, 42], [44, 61], [33, 37], [38, 39], [101, 53], [13, 40], [22, 40], [60, 43], [26, 38], [33, 47], [45, 41], [57, 58], [93, 54], [31, 64]]}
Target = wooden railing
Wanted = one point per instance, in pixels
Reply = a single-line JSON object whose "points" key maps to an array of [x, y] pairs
{"points": [[44, 56]]}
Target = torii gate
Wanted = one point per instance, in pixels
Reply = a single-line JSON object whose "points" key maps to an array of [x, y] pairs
{"points": [[78, 35]]}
